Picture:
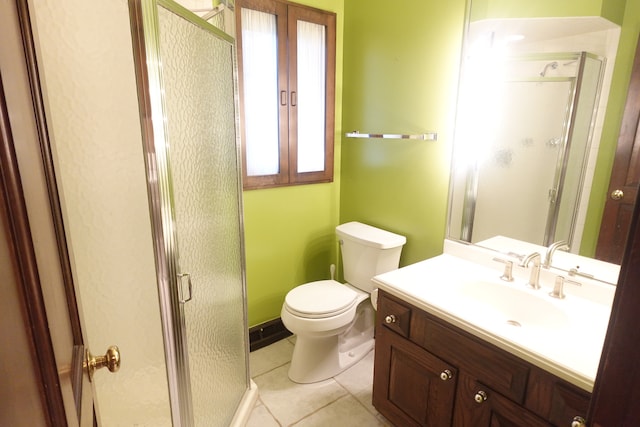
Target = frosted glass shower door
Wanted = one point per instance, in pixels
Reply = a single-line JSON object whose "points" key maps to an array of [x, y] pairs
{"points": [[198, 77], [528, 142], [186, 88]]}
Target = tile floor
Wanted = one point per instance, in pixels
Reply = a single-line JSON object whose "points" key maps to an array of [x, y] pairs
{"points": [[344, 400]]}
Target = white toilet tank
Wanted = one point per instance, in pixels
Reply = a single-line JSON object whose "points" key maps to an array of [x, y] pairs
{"points": [[366, 252]]}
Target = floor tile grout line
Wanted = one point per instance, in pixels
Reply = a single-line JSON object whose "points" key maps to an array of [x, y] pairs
{"points": [[320, 409], [271, 413], [270, 370], [376, 413], [345, 389]]}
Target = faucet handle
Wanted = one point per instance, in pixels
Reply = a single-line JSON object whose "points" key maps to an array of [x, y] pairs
{"points": [[507, 275], [575, 272], [558, 287]]}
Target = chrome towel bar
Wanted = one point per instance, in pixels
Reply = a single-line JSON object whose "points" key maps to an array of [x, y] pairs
{"points": [[429, 136]]}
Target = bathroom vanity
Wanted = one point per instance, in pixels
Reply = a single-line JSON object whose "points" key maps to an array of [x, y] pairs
{"points": [[430, 373], [446, 357]]}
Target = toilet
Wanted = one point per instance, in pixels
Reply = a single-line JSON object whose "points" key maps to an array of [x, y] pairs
{"points": [[333, 322]]}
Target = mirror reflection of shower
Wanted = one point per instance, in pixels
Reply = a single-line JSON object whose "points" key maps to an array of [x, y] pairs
{"points": [[553, 65], [533, 118]]}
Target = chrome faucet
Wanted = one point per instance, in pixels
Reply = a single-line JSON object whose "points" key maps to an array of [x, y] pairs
{"points": [[559, 245], [534, 278]]}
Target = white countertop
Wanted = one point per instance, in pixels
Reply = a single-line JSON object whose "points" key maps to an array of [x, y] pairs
{"points": [[563, 337]]}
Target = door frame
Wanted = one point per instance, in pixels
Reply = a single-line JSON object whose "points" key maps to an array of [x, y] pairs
{"points": [[27, 277]]}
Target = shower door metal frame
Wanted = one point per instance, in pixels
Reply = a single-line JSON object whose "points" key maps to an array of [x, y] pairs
{"points": [[555, 193], [148, 67], [471, 186]]}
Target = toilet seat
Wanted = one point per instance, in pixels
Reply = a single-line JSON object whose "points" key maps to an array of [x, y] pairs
{"points": [[321, 299]]}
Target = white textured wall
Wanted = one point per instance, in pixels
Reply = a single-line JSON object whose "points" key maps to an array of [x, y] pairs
{"points": [[88, 73]]}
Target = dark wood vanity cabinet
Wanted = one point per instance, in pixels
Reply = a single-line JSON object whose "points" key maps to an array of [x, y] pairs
{"points": [[408, 372], [430, 373]]}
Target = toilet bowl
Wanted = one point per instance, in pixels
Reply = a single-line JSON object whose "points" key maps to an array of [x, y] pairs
{"points": [[329, 340], [333, 322]]}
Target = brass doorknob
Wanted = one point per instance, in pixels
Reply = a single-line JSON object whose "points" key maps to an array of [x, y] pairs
{"points": [[111, 360], [617, 194]]}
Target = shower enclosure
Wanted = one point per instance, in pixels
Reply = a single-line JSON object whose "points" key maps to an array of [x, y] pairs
{"points": [[186, 82], [526, 116], [143, 141]]}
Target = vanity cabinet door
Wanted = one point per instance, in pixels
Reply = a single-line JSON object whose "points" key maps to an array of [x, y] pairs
{"points": [[479, 406], [411, 386], [555, 399]]}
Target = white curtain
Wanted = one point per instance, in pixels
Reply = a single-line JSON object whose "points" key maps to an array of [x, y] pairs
{"points": [[311, 96], [260, 78]]}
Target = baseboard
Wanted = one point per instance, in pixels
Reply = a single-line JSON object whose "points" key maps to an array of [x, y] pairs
{"points": [[267, 333]]}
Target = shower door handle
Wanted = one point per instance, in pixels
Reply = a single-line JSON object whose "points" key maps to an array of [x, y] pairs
{"points": [[189, 287]]}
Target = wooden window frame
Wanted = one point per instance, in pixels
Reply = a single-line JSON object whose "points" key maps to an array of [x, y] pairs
{"points": [[287, 15]]}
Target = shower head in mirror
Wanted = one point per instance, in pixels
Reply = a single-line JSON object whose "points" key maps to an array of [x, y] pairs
{"points": [[553, 65]]}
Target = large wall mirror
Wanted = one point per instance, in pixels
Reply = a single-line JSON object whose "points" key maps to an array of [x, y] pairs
{"points": [[533, 93]]}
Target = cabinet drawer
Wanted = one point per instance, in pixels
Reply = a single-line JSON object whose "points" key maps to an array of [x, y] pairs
{"points": [[490, 365], [394, 315]]}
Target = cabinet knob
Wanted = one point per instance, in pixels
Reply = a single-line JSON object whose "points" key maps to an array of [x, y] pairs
{"points": [[390, 319], [480, 396], [446, 375], [578, 421]]}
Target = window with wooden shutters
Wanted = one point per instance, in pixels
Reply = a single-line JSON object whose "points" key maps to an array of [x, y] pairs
{"points": [[286, 58]]}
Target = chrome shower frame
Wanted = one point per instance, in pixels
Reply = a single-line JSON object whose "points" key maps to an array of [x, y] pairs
{"points": [[149, 77]]}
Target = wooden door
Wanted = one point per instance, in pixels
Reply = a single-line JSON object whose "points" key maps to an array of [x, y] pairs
{"points": [[625, 177], [616, 391], [42, 344]]}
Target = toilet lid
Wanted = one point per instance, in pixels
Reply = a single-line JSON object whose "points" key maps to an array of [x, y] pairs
{"points": [[319, 299]]}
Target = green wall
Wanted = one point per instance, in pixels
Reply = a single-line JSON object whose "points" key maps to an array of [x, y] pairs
{"points": [[613, 10], [401, 63], [290, 231]]}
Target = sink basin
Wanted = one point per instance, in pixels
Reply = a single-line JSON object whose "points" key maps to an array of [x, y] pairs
{"points": [[505, 304], [562, 336]]}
